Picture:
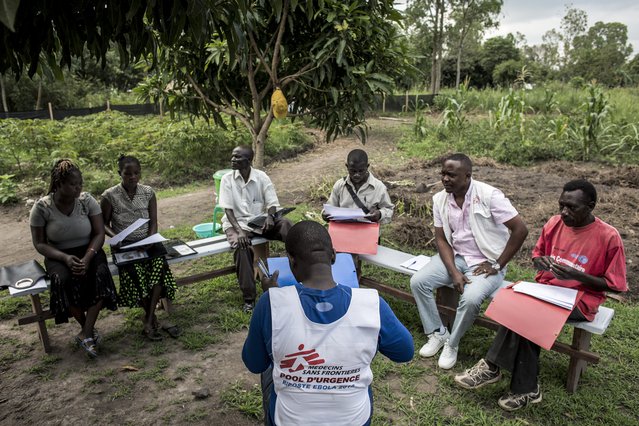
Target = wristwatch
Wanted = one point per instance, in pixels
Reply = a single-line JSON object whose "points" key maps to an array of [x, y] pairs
{"points": [[496, 266]]}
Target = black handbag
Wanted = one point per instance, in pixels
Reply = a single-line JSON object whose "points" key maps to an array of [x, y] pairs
{"points": [[21, 276]]}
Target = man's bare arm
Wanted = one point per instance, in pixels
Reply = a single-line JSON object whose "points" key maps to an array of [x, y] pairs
{"points": [[243, 240]]}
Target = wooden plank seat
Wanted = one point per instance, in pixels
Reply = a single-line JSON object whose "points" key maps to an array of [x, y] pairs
{"points": [[204, 247], [447, 299]]}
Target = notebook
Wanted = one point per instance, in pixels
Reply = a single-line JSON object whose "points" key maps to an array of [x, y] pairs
{"points": [[126, 257], [257, 222]]}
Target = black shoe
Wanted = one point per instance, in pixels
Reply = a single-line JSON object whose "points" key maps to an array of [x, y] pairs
{"points": [[248, 307]]}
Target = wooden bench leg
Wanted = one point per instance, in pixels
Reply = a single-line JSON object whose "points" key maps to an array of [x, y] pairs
{"points": [[36, 306], [580, 342]]}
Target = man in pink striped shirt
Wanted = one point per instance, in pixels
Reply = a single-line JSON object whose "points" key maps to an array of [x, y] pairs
{"points": [[477, 232]]}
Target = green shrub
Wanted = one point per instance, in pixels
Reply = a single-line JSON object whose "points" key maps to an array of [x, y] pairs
{"points": [[171, 151], [548, 122], [8, 189]]}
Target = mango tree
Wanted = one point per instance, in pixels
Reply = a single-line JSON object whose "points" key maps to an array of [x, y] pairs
{"points": [[329, 57]]}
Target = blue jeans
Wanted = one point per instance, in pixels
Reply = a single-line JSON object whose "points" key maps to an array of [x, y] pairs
{"points": [[434, 275]]}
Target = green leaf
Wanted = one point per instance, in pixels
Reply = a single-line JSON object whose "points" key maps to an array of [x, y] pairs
{"points": [[277, 5], [340, 51], [8, 10]]}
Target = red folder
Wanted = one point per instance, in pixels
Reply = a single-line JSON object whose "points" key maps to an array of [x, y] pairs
{"points": [[536, 320], [354, 237]]}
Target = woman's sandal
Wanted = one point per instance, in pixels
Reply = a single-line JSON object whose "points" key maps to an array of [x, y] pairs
{"points": [[88, 345], [173, 330]]}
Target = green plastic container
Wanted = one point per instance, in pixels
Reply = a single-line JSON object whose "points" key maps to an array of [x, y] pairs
{"points": [[217, 177], [206, 230]]}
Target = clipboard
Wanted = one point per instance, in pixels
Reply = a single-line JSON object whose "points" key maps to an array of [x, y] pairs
{"points": [[177, 248], [350, 237], [258, 221], [126, 257], [343, 270], [532, 318]]}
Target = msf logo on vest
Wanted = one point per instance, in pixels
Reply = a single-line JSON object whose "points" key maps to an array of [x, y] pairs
{"points": [[294, 361]]}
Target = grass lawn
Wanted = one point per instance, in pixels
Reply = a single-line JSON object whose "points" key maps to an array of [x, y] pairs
{"points": [[415, 393]]}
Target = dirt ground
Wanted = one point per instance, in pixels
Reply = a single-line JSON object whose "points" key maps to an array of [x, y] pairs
{"points": [[66, 388]]}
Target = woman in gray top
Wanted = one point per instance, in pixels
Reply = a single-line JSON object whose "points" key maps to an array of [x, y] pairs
{"points": [[67, 229]]}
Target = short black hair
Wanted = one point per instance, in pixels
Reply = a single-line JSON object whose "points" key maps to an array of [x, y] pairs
{"points": [[462, 158], [126, 159], [357, 156], [308, 241], [586, 187], [247, 149]]}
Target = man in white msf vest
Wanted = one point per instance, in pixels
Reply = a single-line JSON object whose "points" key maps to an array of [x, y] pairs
{"points": [[320, 338]]}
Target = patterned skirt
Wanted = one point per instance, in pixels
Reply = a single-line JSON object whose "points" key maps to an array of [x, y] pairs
{"points": [[80, 291], [138, 279]]}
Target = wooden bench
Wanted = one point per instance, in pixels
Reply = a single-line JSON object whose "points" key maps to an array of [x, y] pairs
{"points": [[203, 247], [447, 300]]}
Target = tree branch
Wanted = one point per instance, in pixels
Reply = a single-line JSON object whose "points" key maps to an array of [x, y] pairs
{"points": [[306, 68], [255, 96], [278, 43], [220, 108], [259, 55]]}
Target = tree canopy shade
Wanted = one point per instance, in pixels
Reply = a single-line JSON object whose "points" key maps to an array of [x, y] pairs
{"points": [[226, 56], [56, 31], [329, 57]]}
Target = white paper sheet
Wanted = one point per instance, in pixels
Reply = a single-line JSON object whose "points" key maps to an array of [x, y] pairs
{"points": [[560, 296], [342, 213], [183, 249], [116, 239], [416, 263], [155, 238], [130, 255]]}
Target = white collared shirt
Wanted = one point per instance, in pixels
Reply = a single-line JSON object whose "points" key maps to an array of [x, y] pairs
{"points": [[372, 193], [246, 199]]}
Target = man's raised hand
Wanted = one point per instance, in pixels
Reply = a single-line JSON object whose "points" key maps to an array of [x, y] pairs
{"points": [[542, 263], [374, 215], [268, 223], [269, 282]]}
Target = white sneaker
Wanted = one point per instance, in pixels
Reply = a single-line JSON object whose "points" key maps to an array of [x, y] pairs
{"points": [[448, 358], [435, 342]]}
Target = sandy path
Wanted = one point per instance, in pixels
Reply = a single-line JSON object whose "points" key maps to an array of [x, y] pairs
{"points": [[291, 177]]}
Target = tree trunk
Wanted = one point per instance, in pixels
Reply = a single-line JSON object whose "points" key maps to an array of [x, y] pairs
{"points": [[457, 75], [438, 37], [433, 60], [39, 99], [258, 149], [260, 134], [440, 49], [4, 95]]}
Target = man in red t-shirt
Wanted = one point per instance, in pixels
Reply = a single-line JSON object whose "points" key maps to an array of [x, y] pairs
{"points": [[577, 250]]}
